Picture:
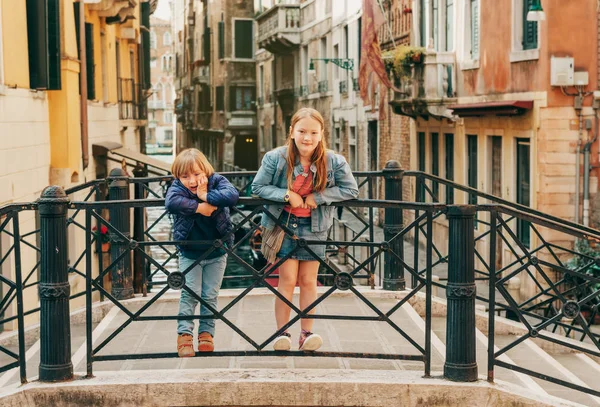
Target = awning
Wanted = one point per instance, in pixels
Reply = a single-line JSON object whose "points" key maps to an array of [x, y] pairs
{"points": [[155, 166], [499, 108]]}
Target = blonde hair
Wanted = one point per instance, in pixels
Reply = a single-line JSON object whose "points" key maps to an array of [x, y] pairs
{"points": [[185, 160], [319, 156]]}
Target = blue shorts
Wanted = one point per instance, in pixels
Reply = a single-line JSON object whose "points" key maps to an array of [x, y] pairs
{"points": [[302, 229]]}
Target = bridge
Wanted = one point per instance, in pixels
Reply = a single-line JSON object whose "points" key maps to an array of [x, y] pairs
{"points": [[494, 297]]}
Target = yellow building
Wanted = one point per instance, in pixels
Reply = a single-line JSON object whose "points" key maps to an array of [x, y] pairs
{"points": [[47, 132]]}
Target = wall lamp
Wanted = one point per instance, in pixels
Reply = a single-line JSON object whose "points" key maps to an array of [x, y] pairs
{"points": [[536, 12], [344, 63]]}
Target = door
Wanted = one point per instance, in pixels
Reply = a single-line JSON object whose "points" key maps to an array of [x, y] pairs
{"points": [[523, 186], [245, 154], [372, 145]]}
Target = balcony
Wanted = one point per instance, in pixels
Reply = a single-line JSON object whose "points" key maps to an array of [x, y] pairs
{"points": [[279, 28], [323, 87], [156, 104], [115, 11], [200, 74], [343, 87], [132, 100], [429, 89]]}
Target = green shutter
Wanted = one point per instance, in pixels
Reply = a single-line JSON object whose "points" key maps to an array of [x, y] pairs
{"points": [[146, 45], [89, 63], [221, 39], [244, 42], [206, 45], [474, 29], [220, 96], [43, 34], [530, 28]]}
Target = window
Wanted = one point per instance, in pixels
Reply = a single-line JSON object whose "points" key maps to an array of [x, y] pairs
{"points": [[167, 39], [435, 165], [530, 28], [435, 16], [261, 78], [168, 117], [305, 62], [495, 163], [220, 98], [525, 45], [421, 163], [337, 142], [221, 39], [523, 190], [241, 98], [422, 26], [43, 33], [474, 28], [353, 153], [449, 141], [322, 65], [153, 39], [336, 55], [168, 135], [243, 39], [449, 25]]}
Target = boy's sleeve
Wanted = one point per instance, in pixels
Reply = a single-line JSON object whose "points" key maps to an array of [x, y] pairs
{"points": [[224, 194], [177, 203]]}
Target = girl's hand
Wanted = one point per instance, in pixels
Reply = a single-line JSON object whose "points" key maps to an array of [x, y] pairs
{"points": [[205, 209], [202, 187], [296, 200], [310, 202]]}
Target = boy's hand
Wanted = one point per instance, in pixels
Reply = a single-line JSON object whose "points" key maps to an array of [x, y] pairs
{"points": [[296, 200], [202, 190], [310, 202], [205, 209]]}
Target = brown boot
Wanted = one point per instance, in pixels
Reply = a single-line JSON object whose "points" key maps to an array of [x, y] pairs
{"points": [[185, 346], [205, 342]]}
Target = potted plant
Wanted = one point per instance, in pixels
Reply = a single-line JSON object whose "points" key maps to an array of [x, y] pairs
{"points": [[400, 61], [104, 237]]}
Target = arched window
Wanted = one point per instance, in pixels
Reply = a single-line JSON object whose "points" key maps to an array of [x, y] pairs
{"points": [[167, 38], [152, 39]]}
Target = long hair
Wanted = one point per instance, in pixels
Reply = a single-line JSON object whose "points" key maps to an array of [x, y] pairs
{"points": [[319, 156]]}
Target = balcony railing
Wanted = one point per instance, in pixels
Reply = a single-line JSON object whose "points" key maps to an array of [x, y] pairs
{"points": [[279, 28], [343, 87], [156, 104], [132, 102], [323, 87]]}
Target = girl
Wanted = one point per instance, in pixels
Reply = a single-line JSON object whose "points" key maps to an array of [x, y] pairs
{"points": [[200, 200], [304, 175]]}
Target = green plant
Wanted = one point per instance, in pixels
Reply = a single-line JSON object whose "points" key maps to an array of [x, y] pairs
{"points": [[587, 255], [400, 60]]}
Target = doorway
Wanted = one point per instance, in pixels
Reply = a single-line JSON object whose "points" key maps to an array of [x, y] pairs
{"points": [[245, 153]]}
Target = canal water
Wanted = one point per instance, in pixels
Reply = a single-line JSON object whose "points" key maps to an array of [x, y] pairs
{"points": [[162, 232]]}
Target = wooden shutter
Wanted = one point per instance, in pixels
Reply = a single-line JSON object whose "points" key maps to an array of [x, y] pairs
{"points": [[244, 42], [43, 33], [220, 102], [530, 28], [89, 63], [474, 29], [221, 39]]}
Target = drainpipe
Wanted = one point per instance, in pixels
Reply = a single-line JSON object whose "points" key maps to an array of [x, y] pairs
{"points": [[586, 173], [83, 86]]}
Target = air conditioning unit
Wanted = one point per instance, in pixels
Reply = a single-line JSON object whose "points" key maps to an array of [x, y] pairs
{"points": [[562, 71]]}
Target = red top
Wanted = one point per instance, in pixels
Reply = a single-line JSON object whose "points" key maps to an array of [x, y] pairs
{"points": [[303, 186]]}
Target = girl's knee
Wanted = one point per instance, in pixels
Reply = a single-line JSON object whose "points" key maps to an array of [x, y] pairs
{"points": [[307, 280]]}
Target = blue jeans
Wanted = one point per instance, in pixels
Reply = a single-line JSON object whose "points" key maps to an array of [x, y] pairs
{"points": [[205, 280]]}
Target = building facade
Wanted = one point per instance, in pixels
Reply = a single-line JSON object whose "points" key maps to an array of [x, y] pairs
{"points": [[506, 105], [48, 141], [216, 81], [160, 104]]}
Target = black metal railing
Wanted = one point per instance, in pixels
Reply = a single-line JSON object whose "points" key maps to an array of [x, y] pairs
{"points": [[480, 244], [132, 100]]}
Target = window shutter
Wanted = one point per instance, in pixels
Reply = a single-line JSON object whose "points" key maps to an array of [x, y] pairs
{"points": [[530, 28], [43, 33], [474, 29], [232, 92], [220, 102], [206, 44], [244, 41], [221, 39], [89, 63]]}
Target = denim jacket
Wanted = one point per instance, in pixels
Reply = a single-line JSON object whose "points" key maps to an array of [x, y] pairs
{"points": [[270, 183], [183, 203]]}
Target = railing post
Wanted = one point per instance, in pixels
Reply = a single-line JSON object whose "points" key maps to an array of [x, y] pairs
{"points": [[139, 226], [54, 287], [122, 276], [461, 364], [393, 272]]}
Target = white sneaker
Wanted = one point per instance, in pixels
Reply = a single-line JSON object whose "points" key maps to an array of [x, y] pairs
{"points": [[311, 342], [282, 342]]}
